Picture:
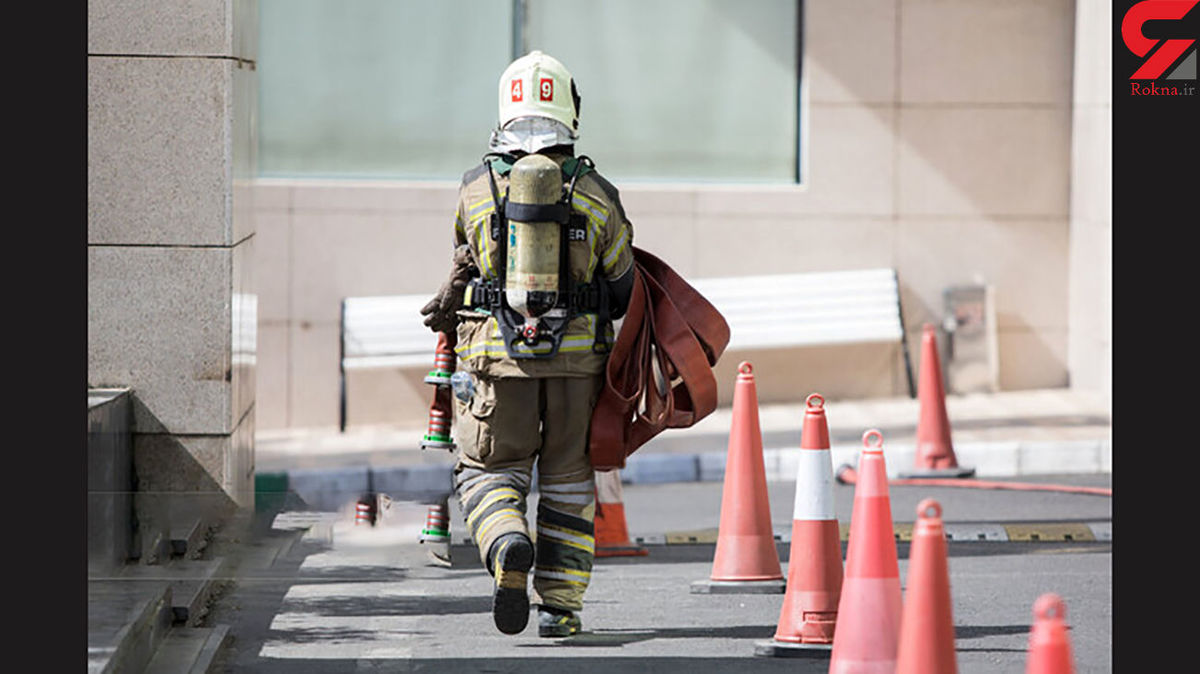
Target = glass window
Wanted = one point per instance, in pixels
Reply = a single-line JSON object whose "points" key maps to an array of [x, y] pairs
{"points": [[679, 89], [672, 90], [378, 88]]}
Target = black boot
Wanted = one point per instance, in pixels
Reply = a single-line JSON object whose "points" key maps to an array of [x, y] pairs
{"points": [[557, 622], [511, 558]]}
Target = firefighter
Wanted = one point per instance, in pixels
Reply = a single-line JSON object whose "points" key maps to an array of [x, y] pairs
{"points": [[543, 264]]}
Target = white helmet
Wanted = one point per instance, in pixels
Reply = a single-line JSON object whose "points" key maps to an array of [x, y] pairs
{"points": [[538, 85]]}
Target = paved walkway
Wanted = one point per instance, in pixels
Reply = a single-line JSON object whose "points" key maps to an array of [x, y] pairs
{"points": [[355, 598]]}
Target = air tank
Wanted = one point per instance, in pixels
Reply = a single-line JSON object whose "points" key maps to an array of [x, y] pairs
{"points": [[531, 279]]}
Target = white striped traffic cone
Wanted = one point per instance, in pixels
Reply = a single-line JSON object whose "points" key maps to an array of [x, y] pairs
{"points": [[814, 584]]}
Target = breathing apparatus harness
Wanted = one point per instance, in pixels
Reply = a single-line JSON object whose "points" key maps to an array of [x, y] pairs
{"points": [[573, 297]]}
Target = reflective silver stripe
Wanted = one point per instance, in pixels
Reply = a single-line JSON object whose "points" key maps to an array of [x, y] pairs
{"points": [[591, 207], [571, 492], [493, 348], [494, 518], [614, 251], [479, 207], [584, 485], [517, 475], [483, 240], [578, 497], [593, 259], [585, 542]]}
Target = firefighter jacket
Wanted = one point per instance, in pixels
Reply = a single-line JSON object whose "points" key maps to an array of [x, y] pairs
{"points": [[604, 254]]}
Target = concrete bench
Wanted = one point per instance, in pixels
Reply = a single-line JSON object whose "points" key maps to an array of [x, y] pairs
{"points": [[770, 311]]}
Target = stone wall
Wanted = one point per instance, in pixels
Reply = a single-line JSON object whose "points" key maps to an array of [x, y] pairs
{"points": [[172, 99]]}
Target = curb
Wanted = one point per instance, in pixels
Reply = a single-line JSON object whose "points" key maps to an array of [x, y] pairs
{"points": [[331, 488]]}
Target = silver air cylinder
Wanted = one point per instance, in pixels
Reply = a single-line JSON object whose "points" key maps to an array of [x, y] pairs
{"points": [[531, 283]]}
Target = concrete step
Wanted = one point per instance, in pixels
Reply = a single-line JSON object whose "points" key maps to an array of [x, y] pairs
{"points": [[126, 623], [188, 650], [189, 537], [156, 546], [262, 554], [193, 584]]}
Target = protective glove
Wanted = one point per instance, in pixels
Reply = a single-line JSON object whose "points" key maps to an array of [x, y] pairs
{"points": [[440, 313]]}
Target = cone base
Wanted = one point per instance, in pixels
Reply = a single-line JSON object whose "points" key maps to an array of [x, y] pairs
{"points": [[783, 649], [739, 587], [960, 471], [428, 442]]}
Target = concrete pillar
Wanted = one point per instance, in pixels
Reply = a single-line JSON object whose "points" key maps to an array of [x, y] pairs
{"points": [[1090, 271], [172, 136]]}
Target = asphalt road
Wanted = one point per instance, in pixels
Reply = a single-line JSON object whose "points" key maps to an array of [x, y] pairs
{"points": [[356, 598]]}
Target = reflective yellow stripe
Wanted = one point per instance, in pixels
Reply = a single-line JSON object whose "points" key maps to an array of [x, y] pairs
{"points": [[494, 518], [486, 201], [593, 259], [591, 207], [496, 495], [615, 250], [495, 348], [583, 575], [573, 539], [483, 239]]}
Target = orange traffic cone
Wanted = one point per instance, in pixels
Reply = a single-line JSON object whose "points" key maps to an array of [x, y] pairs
{"points": [[814, 582], [935, 453], [746, 560], [926, 624], [1049, 645], [868, 629], [612, 537]]}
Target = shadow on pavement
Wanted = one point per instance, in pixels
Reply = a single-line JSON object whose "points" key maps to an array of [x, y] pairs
{"points": [[575, 665], [393, 606], [608, 638], [703, 552]]}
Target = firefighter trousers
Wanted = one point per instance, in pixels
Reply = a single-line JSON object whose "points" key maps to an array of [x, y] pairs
{"points": [[506, 428]]}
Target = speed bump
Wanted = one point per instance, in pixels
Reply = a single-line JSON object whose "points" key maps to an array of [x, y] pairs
{"points": [[1049, 531]]}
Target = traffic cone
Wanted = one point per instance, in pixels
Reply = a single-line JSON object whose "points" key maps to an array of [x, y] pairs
{"points": [[364, 510], [868, 626], [814, 582], [746, 560], [437, 525], [926, 624], [935, 453], [1049, 645], [612, 537], [444, 360], [436, 534], [440, 413]]}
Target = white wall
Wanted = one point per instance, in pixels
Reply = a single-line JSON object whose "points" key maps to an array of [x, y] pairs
{"points": [[938, 141]]}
